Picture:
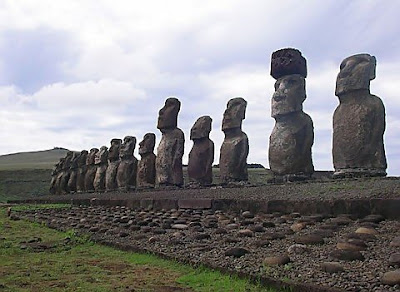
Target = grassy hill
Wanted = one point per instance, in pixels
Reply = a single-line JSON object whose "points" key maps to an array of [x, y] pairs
{"points": [[27, 174]]}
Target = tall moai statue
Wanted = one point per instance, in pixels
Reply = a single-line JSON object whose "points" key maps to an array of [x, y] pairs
{"points": [[73, 173], [100, 161], [127, 169], [201, 156], [293, 135], [358, 121], [65, 173], [170, 150], [91, 169], [235, 148], [54, 176], [113, 163], [146, 174], [80, 179]]}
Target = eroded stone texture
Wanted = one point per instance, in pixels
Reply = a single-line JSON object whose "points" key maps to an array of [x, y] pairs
{"points": [[80, 179], [113, 163], [146, 175], [54, 175], [358, 121], [171, 148], [91, 169], [64, 174], [126, 174], [293, 135], [287, 62], [73, 173], [235, 148], [201, 156], [100, 161]]}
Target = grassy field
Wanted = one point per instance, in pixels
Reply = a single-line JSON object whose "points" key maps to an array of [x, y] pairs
{"points": [[36, 258]]}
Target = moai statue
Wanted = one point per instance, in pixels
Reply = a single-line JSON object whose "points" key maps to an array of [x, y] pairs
{"points": [[146, 174], [170, 150], [65, 173], [293, 135], [73, 173], [113, 163], [127, 169], [54, 176], [91, 169], [358, 121], [82, 168], [100, 161], [235, 148], [201, 156]]}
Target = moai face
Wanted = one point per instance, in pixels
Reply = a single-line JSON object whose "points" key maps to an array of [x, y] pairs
{"points": [[101, 156], [147, 144], [356, 72], [168, 115], [289, 95], [127, 147], [113, 153], [91, 156], [234, 114], [201, 128], [82, 158]]}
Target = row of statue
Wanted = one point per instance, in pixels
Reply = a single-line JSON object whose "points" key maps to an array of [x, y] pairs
{"points": [[358, 128]]}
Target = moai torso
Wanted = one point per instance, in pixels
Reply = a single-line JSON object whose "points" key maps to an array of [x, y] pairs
{"points": [[80, 180], [99, 182], [201, 156], [65, 174], [73, 173], [171, 148], [358, 121], [235, 148], [54, 175], [126, 174], [293, 134], [146, 174], [91, 169], [113, 163]]}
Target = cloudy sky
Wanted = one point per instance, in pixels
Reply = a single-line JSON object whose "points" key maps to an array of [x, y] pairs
{"points": [[75, 74]]}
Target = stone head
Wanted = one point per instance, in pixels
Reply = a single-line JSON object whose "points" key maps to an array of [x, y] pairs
{"points": [[91, 156], [113, 152], [168, 115], [287, 62], [67, 161], [356, 72], [82, 158], [74, 160], [289, 95], [127, 147], [201, 128], [101, 156], [234, 114], [147, 144]]}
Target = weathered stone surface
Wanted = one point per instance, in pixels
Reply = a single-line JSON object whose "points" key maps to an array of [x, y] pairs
{"points": [[358, 121], [293, 135], [73, 173], [391, 278], [364, 230], [236, 252], [287, 62], [309, 239], [127, 168], [394, 259], [54, 183], [101, 157], [201, 156], [64, 174], [332, 267], [113, 163], [235, 148], [171, 148], [395, 242], [276, 260], [146, 173], [82, 168], [347, 255], [90, 169]]}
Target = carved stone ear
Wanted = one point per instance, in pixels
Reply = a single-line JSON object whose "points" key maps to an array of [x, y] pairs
{"points": [[372, 73]]}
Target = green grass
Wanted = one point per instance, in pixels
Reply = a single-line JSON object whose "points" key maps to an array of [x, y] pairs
{"points": [[77, 264]]}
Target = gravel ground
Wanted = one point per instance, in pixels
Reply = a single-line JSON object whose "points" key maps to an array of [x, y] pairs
{"points": [[314, 190], [288, 247]]}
